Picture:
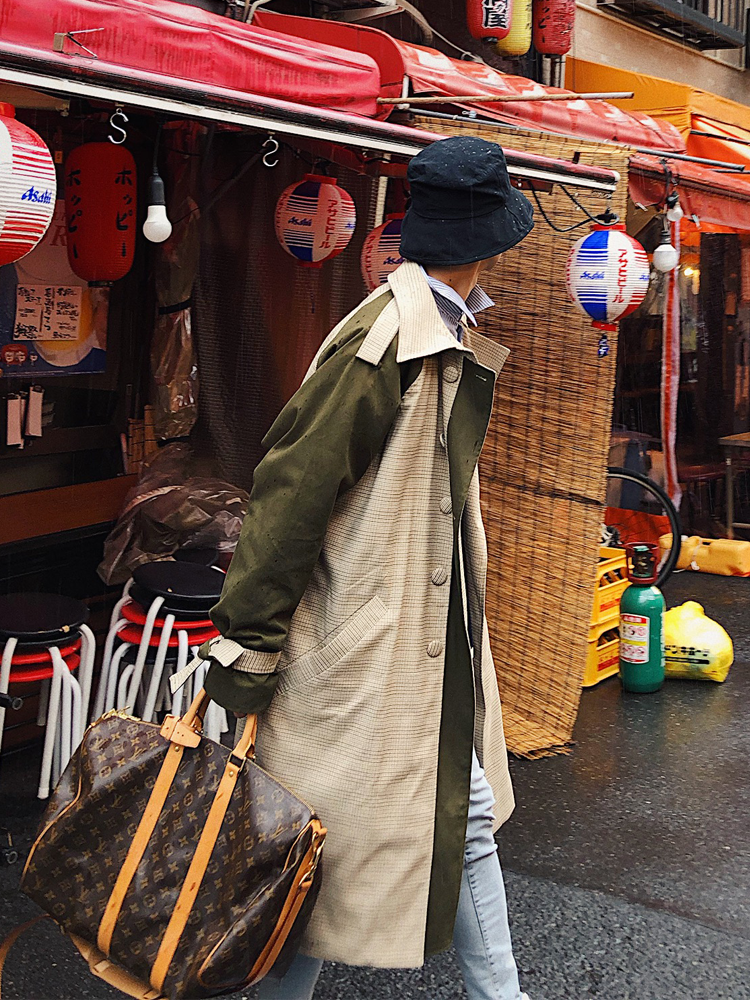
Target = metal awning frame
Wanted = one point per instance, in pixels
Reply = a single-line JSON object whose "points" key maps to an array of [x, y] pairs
{"points": [[186, 99]]}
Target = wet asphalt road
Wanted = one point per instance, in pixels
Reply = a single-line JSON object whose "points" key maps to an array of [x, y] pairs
{"points": [[627, 863]]}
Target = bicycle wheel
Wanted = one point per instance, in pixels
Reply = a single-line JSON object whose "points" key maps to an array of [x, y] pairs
{"points": [[638, 510]]}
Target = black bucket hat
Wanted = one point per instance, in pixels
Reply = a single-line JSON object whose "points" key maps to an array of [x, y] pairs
{"points": [[463, 207]]}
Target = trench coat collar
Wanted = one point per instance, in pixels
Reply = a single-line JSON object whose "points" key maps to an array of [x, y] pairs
{"points": [[421, 330]]}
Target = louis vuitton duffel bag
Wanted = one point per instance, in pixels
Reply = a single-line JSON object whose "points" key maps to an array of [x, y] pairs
{"points": [[178, 867]]}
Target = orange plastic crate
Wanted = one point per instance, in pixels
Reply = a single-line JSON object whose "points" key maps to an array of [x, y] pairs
{"points": [[603, 659], [611, 581]]}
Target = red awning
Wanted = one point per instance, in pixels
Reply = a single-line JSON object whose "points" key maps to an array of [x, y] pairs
{"points": [[166, 75], [717, 198], [434, 73], [431, 72], [184, 42]]}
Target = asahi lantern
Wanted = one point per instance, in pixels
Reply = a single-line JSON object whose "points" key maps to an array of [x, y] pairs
{"points": [[607, 277], [27, 188], [488, 18], [315, 219], [100, 211], [380, 252]]}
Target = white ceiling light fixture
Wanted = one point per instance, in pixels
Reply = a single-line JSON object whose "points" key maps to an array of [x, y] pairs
{"points": [[666, 257], [674, 208]]}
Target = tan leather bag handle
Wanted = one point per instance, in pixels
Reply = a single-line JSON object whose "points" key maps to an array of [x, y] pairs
{"points": [[194, 719], [187, 730]]}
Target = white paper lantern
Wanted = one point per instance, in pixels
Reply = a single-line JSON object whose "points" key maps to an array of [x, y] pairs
{"points": [[315, 219], [607, 275], [27, 189], [381, 253]]}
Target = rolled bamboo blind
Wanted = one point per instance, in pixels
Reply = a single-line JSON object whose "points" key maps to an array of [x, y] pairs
{"points": [[543, 465]]}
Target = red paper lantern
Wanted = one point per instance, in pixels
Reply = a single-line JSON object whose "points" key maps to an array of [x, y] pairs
{"points": [[553, 26], [489, 18], [27, 188], [315, 219], [100, 211]]}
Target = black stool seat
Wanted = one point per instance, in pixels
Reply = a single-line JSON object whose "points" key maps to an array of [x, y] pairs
{"points": [[144, 598], [203, 557], [40, 618], [184, 586]]}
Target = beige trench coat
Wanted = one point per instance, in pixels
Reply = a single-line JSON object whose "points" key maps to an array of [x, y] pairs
{"points": [[353, 728]]}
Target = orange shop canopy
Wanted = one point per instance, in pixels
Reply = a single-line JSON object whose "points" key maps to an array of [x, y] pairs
{"points": [[689, 109]]}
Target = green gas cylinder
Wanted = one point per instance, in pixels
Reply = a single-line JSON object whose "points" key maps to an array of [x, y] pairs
{"points": [[642, 623]]}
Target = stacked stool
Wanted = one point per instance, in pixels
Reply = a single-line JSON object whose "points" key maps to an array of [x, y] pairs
{"points": [[161, 619], [45, 638]]}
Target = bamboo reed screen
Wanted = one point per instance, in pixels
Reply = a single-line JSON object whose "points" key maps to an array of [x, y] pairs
{"points": [[544, 460]]}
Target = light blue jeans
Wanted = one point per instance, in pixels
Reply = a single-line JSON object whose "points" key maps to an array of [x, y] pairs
{"points": [[481, 935]]}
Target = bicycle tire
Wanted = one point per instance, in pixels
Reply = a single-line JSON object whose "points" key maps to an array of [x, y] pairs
{"points": [[670, 561]]}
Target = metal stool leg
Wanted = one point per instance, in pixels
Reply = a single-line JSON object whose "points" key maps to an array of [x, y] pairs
{"points": [[86, 670], [77, 722], [148, 629], [66, 713], [101, 693], [122, 688], [120, 604], [181, 662], [111, 696], [53, 711], [158, 669], [10, 648]]}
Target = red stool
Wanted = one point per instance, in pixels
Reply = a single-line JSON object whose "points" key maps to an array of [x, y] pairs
{"points": [[45, 638], [163, 617]]}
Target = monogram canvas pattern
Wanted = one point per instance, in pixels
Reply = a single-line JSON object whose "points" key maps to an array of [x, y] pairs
{"points": [[92, 819]]}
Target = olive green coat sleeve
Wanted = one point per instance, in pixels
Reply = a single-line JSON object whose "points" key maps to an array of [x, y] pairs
{"points": [[319, 446]]}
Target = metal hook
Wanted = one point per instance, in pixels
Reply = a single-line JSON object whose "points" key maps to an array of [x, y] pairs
{"points": [[267, 162], [119, 113]]}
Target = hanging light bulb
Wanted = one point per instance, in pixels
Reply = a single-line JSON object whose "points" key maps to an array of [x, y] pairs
{"points": [[666, 258], [157, 226], [674, 208]]}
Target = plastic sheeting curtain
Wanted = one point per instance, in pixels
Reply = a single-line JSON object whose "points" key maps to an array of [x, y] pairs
{"points": [[174, 363]]}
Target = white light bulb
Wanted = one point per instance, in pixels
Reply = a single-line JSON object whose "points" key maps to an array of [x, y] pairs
{"points": [[666, 258], [674, 212], [157, 226]]}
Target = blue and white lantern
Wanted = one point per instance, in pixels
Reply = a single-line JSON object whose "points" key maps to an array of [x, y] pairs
{"points": [[315, 219], [381, 252], [607, 275]]}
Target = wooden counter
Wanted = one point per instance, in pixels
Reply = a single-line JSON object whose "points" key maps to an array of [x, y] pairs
{"points": [[45, 512]]}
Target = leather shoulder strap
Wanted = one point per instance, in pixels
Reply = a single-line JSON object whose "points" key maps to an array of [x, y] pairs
{"points": [[195, 874], [12, 938]]}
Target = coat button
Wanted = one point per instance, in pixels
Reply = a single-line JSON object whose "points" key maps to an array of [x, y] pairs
{"points": [[446, 506], [450, 373], [439, 576], [435, 648], [441, 439]]}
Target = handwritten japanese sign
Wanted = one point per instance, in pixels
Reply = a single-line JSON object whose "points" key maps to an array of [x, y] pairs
{"points": [[47, 312]]}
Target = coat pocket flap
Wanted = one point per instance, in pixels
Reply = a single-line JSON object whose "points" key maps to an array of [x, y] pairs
{"points": [[335, 646]]}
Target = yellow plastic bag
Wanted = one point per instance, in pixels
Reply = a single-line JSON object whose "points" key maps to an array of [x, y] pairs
{"points": [[696, 647]]}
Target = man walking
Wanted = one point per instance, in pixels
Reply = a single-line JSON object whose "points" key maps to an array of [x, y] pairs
{"points": [[352, 617]]}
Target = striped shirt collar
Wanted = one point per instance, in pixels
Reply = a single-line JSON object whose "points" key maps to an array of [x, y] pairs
{"points": [[452, 307]]}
